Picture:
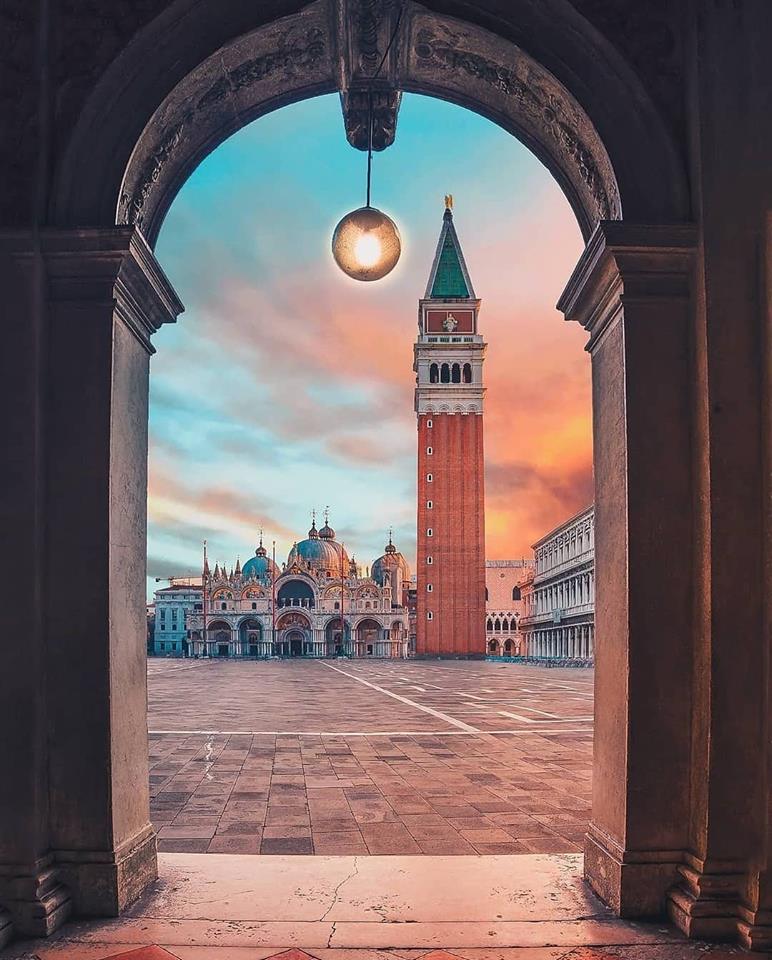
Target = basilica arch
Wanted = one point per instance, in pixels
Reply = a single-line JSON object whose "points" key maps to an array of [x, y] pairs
{"points": [[674, 441]]}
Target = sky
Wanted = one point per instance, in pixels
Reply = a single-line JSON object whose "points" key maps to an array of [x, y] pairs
{"points": [[286, 386]]}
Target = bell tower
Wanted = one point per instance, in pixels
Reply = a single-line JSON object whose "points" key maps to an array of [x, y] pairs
{"points": [[448, 362]]}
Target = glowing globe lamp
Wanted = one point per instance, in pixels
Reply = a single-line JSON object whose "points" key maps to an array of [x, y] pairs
{"points": [[366, 244]]}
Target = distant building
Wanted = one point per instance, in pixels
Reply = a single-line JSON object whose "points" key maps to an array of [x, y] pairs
{"points": [[504, 606], [150, 610], [559, 599], [319, 604], [174, 606]]}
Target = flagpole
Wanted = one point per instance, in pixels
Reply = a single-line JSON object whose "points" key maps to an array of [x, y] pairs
{"points": [[203, 600]]}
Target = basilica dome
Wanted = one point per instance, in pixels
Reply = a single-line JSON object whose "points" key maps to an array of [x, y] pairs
{"points": [[261, 567], [391, 565], [322, 551]]}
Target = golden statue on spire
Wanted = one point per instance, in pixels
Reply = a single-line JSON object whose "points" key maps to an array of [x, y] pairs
{"points": [[448, 201]]}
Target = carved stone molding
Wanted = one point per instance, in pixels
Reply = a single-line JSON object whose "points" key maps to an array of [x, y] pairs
{"points": [[367, 67], [446, 55], [343, 44], [276, 64]]}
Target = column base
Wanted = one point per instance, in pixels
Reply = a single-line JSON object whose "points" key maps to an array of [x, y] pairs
{"points": [[705, 902], [6, 928], [105, 882], [35, 901], [754, 931], [632, 883]]}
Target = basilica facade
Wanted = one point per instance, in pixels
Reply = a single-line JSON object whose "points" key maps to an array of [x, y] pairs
{"points": [[318, 604]]}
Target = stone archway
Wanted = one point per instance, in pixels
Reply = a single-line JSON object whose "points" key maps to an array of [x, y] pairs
{"points": [[97, 294]]}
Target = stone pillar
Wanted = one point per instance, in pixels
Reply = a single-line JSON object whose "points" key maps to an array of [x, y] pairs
{"points": [[81, 810], [725, 879], [630, 290]]}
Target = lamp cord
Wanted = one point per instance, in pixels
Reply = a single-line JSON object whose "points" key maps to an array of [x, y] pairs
{"points": [[370, 100]]}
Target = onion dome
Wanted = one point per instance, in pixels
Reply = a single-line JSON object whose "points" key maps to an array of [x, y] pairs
{"points": [[392, 566], [261, 567], [322, 552]]}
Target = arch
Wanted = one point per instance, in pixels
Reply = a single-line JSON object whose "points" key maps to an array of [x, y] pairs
{"points": [[336, 635], [445, 373], [163, 104], [467, 373], [368, 631], [159, 108], [455, 373], [434, 373], [296, 593], [493, 647], [250, 636], [489, 625], [497, 626], [293, 619], [508, 647], [517, 593]]}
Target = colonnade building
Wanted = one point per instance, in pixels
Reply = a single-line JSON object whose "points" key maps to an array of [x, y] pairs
{"points": [[558, 619]]}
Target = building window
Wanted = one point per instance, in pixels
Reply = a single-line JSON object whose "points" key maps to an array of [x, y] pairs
{"points": [[516, 595], [429, 615], [434, 374], [467, 373], [430, 560], [429, 451], [223, 606], [486, 594], [429, 532], [429, 424], [429, 504], [163, 646], [429, 587], [254, 606], [429, 478]]}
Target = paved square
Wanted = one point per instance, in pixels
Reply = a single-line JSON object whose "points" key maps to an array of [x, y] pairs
{"points": [[381, 757]]}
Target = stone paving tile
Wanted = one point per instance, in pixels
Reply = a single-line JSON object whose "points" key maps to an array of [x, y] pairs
{"points": [[302, 759]]}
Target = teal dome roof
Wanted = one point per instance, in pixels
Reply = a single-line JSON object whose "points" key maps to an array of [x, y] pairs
{"points": [[392, 561], [261, 567], [324, 554]]}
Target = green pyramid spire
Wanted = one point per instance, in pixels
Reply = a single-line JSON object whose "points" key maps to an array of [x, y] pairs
{"points": [[449, 279]]}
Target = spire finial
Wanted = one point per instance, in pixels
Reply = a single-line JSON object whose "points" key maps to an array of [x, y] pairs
{"points": [[390, 535], [448, 201], [261, 536], [327, 514]]}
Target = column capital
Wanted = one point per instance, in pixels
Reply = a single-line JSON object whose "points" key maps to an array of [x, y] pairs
{"points": [[626, 262], [114, 265]]}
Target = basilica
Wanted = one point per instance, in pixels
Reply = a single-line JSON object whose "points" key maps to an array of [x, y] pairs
{"points": [[318, 604]]}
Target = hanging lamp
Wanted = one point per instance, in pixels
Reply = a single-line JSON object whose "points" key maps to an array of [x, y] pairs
{"points": [[366, 244]]}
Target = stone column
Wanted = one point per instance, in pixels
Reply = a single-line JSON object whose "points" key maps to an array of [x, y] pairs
{"points": [[107, 295], [630, 290]]}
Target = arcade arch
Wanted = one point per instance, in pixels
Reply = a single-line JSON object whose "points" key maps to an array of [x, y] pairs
{"points": [[147, 122]]}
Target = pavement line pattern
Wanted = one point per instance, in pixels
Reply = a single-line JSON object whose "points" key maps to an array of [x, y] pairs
{"points": [[368, 733], [411, 703]]}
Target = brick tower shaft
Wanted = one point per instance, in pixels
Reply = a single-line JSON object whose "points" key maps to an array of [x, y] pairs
{"points": [[450, 564]]}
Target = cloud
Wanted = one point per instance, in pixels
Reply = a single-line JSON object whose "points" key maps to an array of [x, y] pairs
{"points": [[287, 386]]}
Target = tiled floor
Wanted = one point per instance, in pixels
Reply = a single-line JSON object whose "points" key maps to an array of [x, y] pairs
{"points": [[301, 757]]}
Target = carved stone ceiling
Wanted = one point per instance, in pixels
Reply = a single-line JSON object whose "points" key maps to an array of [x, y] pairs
{"points": [[338, 45]]}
